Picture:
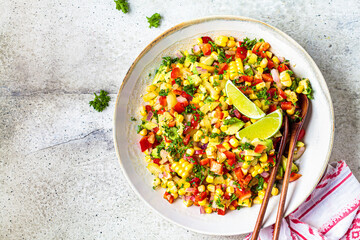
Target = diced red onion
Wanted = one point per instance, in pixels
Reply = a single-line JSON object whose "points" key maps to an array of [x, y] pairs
{"points": [[275, 75], [196, 48], [265, 174], [197, 152], [189, 189], [223, 185], [149, 116], [237, 113], [187, 198], [178, 54], [238, 164], [281, 59], [181, 99], [299, 153], [161, 175], [202, 210], [212, 196], [204, 146], [192, 198], [201, 70]]}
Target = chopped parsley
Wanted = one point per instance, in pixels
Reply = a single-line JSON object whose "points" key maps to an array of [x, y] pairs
{"points": [[249, 44], [178, 81], [208, 99], [100, 102], [192, 58], [262, 94], [233, 197], [164, 92], [190, 108], [190, 89], [133, 119], [122, 5], [218, 203], [245, 146], [260, 185], [139, 128], [249, 72], [154, 20]]}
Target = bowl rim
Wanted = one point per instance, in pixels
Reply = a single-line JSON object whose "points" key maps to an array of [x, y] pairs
{"points": [[202, 20]]}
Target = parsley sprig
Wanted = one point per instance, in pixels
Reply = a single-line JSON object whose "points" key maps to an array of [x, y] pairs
{"points": [[122, 5], [101, 101], [154, 20]]}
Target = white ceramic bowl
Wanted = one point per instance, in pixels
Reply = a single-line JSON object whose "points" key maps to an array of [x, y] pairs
{"points": [[319, 127]]}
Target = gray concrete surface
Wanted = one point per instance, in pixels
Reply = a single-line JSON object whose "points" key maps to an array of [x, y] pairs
{"points": [[59, 176]]}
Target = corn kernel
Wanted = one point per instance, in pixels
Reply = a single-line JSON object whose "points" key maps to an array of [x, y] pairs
{"points": [[224, 128], [257, 200], [260, 170], [208, 210], [260, 86], [210, 179], [143, 132], [229, 101], [257, 167], [234, 142], [226, 114], [143, 111], [175, 195], [276, 60], [249, 158], [257, 102], [149, 96], [188, 203], [299, 144], [231, 207], [226, 145], [245, 165], [269, 54], [219, 192], [265, 185], [199, 41], [189, 167], [252, 96], [156, 182], [186, 185], [263, 158], [264, 63], [274, 191], [230, 189], [150, 88], [252, 58], [181, 191], [231, 43], [205, 140], [221, 41], [201, 188], [254, 173], [291, 111], [186, 82], [201, 104], [203, 202], [261, 194], [211, 188], [299, 89], [148, 159], [190, 151]]}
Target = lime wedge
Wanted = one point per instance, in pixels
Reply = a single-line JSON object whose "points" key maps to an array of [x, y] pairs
{"points": [[242, 103], [263, 128]]}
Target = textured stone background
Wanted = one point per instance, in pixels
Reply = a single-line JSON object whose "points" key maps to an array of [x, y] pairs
{"points": [[59, 176]]}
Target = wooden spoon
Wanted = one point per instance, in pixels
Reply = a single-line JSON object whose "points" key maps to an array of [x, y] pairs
{"points": [[274, 171], [295, 130]]}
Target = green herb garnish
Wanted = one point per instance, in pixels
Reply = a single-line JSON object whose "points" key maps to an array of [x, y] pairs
{"points": [[154, 20], [122, 5], [100, 102]]}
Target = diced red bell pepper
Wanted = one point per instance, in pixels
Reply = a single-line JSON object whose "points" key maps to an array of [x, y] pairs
{"points": [[218, 113], [156, 129], [172, 123], [301, 134], [186, 139], [256, 82], [267, 77], [239, 173], [187, 129], [247, 78], [199, 152], [220, 212], [272, 108], [230, 155], [206, 39], [167, 140], [221, 148], [157, 161], [144, 144], [201, 196], [216, 167], [271, 92], [286, 105], [169, 197], [270, 64], [195, 123], [282, 67], [206, 49], [223, 67], [281, 93], [177, 92], [187, 96], [148, 108], [271, 159], [259, 148], [264, 47], [243, 194], [227, 56], [247, 179], [162, 100], [256, 47], [161, 111], [241, 52], [195, 180], [231, 162], [179, 107], [175, 73], [204, 161], [294, 176]]}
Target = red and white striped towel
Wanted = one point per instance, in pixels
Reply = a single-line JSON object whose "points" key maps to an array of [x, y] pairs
{"points": [[332, 211]]}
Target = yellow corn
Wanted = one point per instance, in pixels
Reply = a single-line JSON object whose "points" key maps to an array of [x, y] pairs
{"points": [[197, 136], [276, 60], [205, 140], [186, 185], [208, 210], [156, 182], [181, 191], [149, 96], [285, 79], [254, 173], [224, 128], [216, 130], [230, 189], [263, 158], [203, 202], [143, 132], [211, 188], [274, 191], [201, 188], [257, 167], [239, 65], [231, 207], [260, 86], [190, 151], [252, 58], [264, 63], [269, 54], [245, 165], [233, 70], [219, 192], [261, 194], [150, 88], [148, 159], [226, 145], [299, 89], [249, 158], [188, 203], [260, 170], [229, 101], [234, 142], [143, 111], [257, 200], [221, 41], [291, 111], [199, 41], [252, 96], [257, 102], [210, 179]]}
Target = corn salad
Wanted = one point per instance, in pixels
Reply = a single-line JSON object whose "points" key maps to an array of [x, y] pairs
{"points": [[188, 124]]}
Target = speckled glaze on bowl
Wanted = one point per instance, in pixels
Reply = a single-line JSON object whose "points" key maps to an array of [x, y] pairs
{"points": [[319, 126]]}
